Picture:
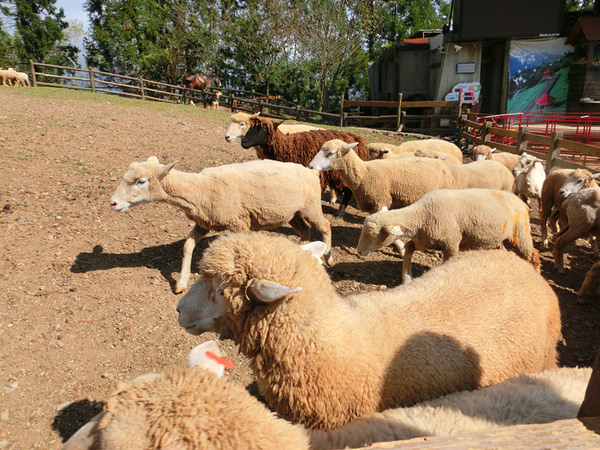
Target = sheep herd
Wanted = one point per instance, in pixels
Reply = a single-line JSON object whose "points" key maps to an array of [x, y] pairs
{"points": [[468, 346], [13, 77]]}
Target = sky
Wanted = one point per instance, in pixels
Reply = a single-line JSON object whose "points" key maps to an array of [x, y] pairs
{"points": [[73, 10]]}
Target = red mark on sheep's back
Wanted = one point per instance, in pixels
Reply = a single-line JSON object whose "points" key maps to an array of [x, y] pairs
{"points": [[220, 360]]}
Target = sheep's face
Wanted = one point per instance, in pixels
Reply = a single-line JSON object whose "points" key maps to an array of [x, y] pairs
{"points": [[136, 187], [578, 180], [373, 237], [235, 131], [202, 306], [331, 150], [258, 132]]}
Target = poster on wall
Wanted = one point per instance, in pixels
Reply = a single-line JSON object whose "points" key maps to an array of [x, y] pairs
{"points": [[538, 75]]}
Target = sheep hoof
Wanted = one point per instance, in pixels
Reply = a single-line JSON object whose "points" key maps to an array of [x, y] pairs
{"points": [[545, 243], [179, 288], [328, 258]]}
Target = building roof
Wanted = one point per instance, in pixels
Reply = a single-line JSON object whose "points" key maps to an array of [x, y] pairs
{"points": [[588, 26]]}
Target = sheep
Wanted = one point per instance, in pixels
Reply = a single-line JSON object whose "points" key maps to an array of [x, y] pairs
{"points": [[560, 183], [536, 398], [393, 183], [20, 78], [376, 149], [545, 397], [582, 212], [423, 144], [452, 220], [301, 148], [426, 153], [238, 197], [187, 408], [482, 174], [529, 176], [591, 285], [483, 152], [322, 360], [239, 125], [10, 75]]}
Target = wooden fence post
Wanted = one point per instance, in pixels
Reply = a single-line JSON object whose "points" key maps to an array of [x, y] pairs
{"points": [[33, 78], [521, 144], [298, 112], [553, 151], [141, 80], [342, 111], [485, 136], [92, 84], [399, 114]]}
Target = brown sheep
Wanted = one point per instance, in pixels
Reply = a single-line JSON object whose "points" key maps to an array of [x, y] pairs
{"points": [[300, 148]]}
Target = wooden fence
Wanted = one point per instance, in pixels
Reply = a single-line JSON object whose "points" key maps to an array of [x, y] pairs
{"points": [[408, 116], [556, 151]]}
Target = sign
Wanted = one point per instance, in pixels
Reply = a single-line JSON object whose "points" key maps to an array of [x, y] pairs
{"points": [[470, 92], [465, 67]]}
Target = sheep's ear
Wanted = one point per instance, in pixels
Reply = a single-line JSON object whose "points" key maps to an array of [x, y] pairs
{"points": [[315, 248], [595, 176], [384, 208], [384, 151], [493, 150], [153, 159], [269, 291], [256, 114], [165, 170], [393, 230], [346, 148], [208, 356]]}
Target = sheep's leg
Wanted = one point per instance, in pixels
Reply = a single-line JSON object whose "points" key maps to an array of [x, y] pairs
{"points": [[409, 249], [544, 215], [195, 235], [564, 237], [322, 225], [344, 203], [301, 226], [399, 246], [594, 244]]}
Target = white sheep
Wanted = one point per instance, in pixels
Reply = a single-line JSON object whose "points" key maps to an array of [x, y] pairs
{"points": [[185, 409], [422, 144], [482, 174], [529, 176], [558, 185], [240, 124], [237, 197], [376, 149], [322, 360], [582, 212], [20, 78], [483, 152], [426, 153], [452, 220], [393, 183], [10, 75], [544, 397]]}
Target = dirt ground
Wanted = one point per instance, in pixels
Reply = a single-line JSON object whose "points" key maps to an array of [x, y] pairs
{"points": [[86, 293]]}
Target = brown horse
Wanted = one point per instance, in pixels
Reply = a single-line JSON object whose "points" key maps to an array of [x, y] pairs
{"points": [[200, 82]]}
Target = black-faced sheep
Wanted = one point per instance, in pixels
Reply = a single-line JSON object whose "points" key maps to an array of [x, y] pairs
{"points": [[582, 212], [322, 360], [452, 220], [393, 183], [240, 122], [482, 174], [557, 186], [483, 152], [186, 409], [237, 197], [301, 148]]}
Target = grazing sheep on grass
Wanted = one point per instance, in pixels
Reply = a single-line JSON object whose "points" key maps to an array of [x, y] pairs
{"points": [[301, 148], [393, 183], [529, 178], [322, 360], [185, 409], [452, 220], [438, 145], [557, 186], [582, 211], [483, 152], [238, 197], [482, 174]]}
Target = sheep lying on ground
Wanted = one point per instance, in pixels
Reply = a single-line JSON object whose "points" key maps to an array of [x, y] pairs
{"points": [[591, 285], [483, 152], [529, 176], [482, 174], [185, 409], [393, 183], [582, 212], [448, 159], [321, 360], [301, 148], [544, 397], [452, 220], [422, 144], [237, 197], [558, 185]]}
